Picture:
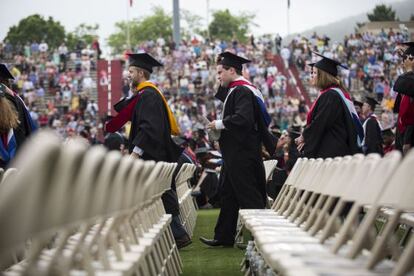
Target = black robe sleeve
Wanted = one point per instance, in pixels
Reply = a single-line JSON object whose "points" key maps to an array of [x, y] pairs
{"points": [[151, 125], [373, 138], [409, 136], [221, 93], [121, 104], [405, 84], [324, 115]]}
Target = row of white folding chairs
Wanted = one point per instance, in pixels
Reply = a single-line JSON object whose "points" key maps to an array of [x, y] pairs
{"points": [[73, 210], [188, 209], [305, 232]]}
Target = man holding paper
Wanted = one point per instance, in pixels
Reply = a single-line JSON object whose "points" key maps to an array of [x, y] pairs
{"points": [[243, 129]]}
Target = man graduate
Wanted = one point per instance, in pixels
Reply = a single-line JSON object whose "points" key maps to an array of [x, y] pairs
{"points": [[243, 129], [152, 124], [404, 104], [372, 142]]}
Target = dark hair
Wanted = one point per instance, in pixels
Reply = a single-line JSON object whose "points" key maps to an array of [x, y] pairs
{"points": [[218, 61], [238, 72]]}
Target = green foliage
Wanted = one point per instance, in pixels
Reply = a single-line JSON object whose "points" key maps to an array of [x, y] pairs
{"points": [[83, 32], [192, 24], [36, 28], [159, 24], [382, 13], [412, 17], [226, 26]]}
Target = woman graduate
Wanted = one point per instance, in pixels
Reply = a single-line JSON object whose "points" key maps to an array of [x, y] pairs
{"points": [[333, 127]]}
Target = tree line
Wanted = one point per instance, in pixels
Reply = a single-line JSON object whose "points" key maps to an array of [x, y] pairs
{"points": [[224, 26]]}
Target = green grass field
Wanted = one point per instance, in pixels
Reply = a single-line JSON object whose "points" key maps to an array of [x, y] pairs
{"points": [[199, 259]]}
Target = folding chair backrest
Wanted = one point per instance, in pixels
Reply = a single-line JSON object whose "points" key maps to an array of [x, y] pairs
{"points": [[85, 184], [119, 184], [22, 200], [377, 174], [296, 171], [131, 195], [104, 183], [347, 170], [399, 193], [269, 166], [5, 176], [305, 178], [61, 182], [319, 173]]}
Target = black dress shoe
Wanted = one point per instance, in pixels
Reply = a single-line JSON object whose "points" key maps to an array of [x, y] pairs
{"points": [[214, 242]]}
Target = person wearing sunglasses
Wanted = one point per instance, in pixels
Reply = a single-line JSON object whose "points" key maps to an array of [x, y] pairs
{"points": [[404, 103]]}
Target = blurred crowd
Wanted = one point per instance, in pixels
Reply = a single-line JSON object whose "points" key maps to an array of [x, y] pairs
{"points": [[56, 85]]}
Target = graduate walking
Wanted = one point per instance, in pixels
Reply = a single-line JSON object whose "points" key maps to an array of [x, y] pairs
{"points": [[243, 130], [152, 124]]}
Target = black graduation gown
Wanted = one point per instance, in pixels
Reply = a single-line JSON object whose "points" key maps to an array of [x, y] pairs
{"points": [[331, 131], [243, 174], [150, 131], [150, 128], [404, 85], [373, 137]]}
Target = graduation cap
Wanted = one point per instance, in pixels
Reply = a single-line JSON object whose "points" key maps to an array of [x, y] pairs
{"points": [[294, 131], [327, 65], [198, 126], [215, 161], [179, 140], [410, 49], [144, 61], [358, 103], [371, 101], [232, 60], [113, 141], [5, 73], [275, 130], [387, 132], [201, 150], [215, 153]]}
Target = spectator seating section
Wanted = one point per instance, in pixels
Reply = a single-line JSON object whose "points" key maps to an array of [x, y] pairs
{"points": [[316, 225], [73, 210]]}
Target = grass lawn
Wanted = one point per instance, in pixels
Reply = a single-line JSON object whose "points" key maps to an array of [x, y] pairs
{"points": [[199, 259]]}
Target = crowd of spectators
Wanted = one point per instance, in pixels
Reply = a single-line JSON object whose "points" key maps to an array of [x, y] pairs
{"points": [[56, 85]]}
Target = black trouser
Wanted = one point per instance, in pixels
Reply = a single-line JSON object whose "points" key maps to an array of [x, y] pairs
{"points": [[245, 197]]}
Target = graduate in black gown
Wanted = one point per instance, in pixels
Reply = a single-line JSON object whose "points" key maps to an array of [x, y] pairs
{"points": [[333, 127], [152, 124], [243, 130], [372, 129], [11, 106], [404, 103]]}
